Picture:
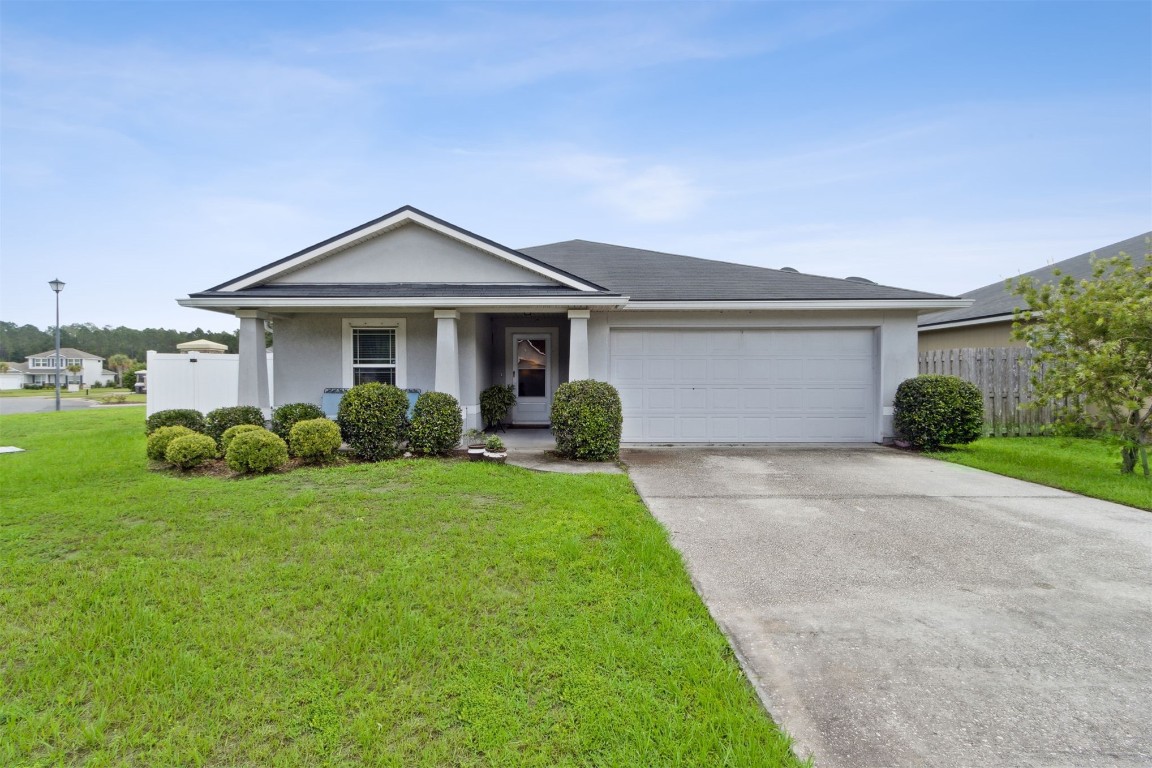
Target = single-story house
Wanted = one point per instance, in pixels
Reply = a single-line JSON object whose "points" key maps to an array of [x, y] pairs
{"points": [[987, 322], [700, 350], [40, 369]]}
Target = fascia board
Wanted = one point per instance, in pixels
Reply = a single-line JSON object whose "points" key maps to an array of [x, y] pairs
{"points": [[909, 304], [989, 320], [227, 303], [400, 217]]}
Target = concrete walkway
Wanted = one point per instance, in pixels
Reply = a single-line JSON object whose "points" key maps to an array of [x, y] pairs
{"points": [[535, 449], [893, 610]]}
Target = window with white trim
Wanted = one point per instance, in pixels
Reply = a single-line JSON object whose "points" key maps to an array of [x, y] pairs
{"points": [[374, 355]]}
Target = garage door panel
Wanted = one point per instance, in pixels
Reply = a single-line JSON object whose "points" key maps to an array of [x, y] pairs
{"points": [[745, 385]]}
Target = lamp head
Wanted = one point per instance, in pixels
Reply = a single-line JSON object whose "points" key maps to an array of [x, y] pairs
{"points": [[56, 285]]}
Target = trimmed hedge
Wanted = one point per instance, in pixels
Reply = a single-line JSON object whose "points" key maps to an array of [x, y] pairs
{"points": [[175, 417], [230, 434], [257, 450], [931, 411], [159, 440], [586, 419], [372, 419], [314, 439], [190, 451], [437, 424], [218, 421], [284, 417]]}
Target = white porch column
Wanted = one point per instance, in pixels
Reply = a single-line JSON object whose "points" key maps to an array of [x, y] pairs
{"points": [[253, 380], [447, 352], [578, 344]]}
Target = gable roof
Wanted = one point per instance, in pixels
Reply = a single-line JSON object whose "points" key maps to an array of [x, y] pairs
{"points": [[995, 303], [67, 352], [401, 216], [644, 275]]}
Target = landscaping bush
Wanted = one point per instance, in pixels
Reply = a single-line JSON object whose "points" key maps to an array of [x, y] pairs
{"points": [[217, 422], [175, 417], [495, 403], [586, 420], [436, 424], [256, 450], [314, 439], [230, 434], [284, 417], [159, 440], [931, 411], [190, 451], [372, 418]]}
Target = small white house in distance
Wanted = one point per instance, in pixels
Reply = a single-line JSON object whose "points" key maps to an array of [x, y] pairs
{"points": [[41, 368]]}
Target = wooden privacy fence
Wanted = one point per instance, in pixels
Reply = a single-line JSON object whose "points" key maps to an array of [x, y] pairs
{"points": [[1004, 376]]}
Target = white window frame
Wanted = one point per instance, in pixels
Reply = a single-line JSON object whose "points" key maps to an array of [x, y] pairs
{"points": [[399, 324]]}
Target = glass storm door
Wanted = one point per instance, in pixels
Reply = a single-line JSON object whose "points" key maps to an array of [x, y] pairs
{"points": [[532, 375]]}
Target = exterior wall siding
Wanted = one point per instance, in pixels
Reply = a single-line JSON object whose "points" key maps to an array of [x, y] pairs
{"points": [[997, 335]]}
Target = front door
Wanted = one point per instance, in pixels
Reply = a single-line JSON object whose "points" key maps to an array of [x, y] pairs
{"points": [[533, 374]]}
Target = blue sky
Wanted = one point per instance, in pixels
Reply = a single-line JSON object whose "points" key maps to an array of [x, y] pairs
{"points": [[153, 149]]}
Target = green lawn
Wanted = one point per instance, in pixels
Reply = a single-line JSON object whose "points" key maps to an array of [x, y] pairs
{"points": [[1090, 467], [410, 613], [93, 394]]}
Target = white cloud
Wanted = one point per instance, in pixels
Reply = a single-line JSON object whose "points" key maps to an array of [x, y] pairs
{"points": [[644, 192]]}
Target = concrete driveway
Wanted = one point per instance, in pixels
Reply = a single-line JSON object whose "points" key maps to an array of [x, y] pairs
{"points": [[894, 611]]}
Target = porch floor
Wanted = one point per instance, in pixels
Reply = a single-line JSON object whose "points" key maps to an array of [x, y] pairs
{"points": [[533, 448]]}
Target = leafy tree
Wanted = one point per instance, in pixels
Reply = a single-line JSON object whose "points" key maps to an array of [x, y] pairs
{"points": [[1093, 341], [119, 363]]}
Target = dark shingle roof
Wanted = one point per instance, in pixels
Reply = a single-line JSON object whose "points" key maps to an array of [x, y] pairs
{"points": [[995, 301], [399, 290], [646, 275]]}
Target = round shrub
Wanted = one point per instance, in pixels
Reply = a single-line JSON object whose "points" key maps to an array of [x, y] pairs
{"points": [[437, 424], [219, 420], [190, 451], [287, 415], [159, 440], [314, 439], [372, 418], [230, 434], [931, 411], [175, 417], [257, 450], [586, 420]]}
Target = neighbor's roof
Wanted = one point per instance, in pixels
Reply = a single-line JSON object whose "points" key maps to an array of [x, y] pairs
{"points": [[68, 352], [646, 275], [995, 302]]}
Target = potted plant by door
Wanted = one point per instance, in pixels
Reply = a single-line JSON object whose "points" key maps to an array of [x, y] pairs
{"points": [[495, 403], [475, 440], [494, 450]]}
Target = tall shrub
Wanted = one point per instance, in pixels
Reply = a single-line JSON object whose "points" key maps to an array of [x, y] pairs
{"points": [[437, 424], [495, 403], [586, 419], [931, 411], [372, 418], [219, 420]]}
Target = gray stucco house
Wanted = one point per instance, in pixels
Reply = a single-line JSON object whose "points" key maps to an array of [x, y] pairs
{"points": [[700, 350]]}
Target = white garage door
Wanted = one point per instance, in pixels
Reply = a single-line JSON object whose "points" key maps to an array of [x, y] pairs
{"points": [[745, 385]]}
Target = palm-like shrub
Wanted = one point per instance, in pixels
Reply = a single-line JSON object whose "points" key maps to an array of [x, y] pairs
{"points": [[586, 419], [931, 411], [372, 418], [437, 424]]}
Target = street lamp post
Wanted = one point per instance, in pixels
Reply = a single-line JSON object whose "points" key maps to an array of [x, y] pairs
{"points": [[57, 286]]}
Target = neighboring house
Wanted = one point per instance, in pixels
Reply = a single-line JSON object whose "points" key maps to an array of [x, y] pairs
{"points": [[41, 368], [12, 377], [700, 350], [988, 321]]}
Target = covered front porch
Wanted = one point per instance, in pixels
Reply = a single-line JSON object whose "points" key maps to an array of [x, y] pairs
{"points": [[460, 351]]}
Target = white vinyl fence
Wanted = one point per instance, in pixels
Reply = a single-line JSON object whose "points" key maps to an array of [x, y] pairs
{"points": [[195, 380]]}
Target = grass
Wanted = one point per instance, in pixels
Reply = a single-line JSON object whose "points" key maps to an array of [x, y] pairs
{"points": [[409, 613], [1088, 467], [92, 394]]}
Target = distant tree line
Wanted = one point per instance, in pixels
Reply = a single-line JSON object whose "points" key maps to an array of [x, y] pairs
{"points": [[19, 341]]}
